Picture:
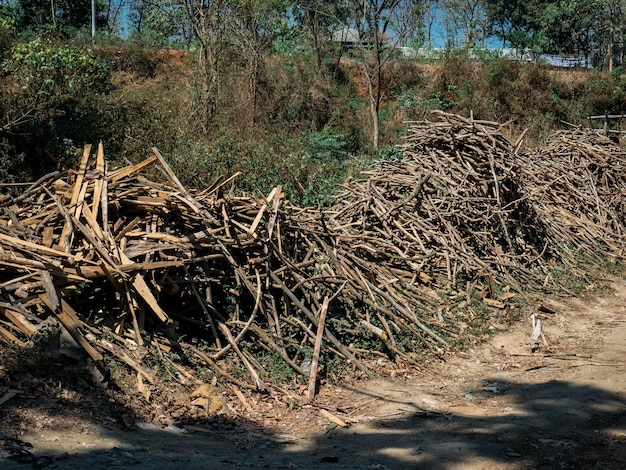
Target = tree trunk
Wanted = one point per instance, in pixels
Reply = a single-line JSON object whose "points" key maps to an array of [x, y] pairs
{"points": [[372, 96], [209, 94]]}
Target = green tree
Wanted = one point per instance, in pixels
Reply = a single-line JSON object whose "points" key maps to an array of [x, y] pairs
{"points": [[571, 26], [156, 22], [51, 104], [610, 30], [208, 21], [517, 21], [319, 18], [614, 27], [61, 16], [254, 25], [563, 26], [465, 21], [381, 26]]}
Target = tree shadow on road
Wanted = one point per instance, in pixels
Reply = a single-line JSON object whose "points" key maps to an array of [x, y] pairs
{"points": [[57, 411], [549, 425]]}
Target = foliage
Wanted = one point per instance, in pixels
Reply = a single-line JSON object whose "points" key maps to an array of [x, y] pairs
{"points": [[604, 93], [47, 92], [564, 26], [155, 23], [464, 22], [44, 69], [7, 33], [309, 130], [65, 19]]}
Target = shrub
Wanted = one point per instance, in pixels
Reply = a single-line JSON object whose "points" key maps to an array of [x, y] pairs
{"points": [[47, 102]]}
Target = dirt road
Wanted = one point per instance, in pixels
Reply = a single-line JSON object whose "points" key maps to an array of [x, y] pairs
{"points": [[499, 406]]}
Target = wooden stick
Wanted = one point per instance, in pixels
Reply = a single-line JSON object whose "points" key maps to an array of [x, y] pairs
{"points": [[260, 386], [68, 317], [316, 349]]}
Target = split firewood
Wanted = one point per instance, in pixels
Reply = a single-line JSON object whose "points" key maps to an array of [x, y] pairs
{"points": [[405, 246]]}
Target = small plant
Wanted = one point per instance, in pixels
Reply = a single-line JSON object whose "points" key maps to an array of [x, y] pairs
{"points": [[390, 153], [277, 369]]}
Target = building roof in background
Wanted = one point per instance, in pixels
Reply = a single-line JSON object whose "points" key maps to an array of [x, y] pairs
{"points": [[346, 35]]}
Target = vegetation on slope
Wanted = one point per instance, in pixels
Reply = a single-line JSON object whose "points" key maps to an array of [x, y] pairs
{"points": [[309, 129]]}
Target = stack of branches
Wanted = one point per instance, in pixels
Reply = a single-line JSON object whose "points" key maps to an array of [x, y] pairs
{"points": [[115, 255], [470, 214], [131, 258], [576, 185], [126, 260], [443, 216]]}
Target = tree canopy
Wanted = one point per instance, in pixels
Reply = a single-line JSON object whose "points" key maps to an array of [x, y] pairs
{"points": [[62, 16], [557, 27]]}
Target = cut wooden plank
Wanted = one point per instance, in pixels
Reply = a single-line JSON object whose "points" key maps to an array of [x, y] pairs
{"points": [[316, 349], [17, 280], [77, 187], [133, 307], [219, 184], [92, 222], [122, 173], [131, 225], [11, 338], [19, 321], [144, 201], [104, 203], [125, 357], [188, 200], [242, 399], [332, 418], [69, 318], [141, 287], [152, 200], [201, 236], [89, 237], [97, 192], [272, 221], [11, 259], [48, 236], [256, 221], [51, 290], [164, 237], [34, 219], [93, 272], [109, 275], [80, 176], [44, 250], [78, 207], [170, 174]]}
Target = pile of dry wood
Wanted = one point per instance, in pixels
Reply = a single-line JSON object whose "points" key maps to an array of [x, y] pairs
{"points": [[471, 206], [128, 259], [576, 186]]}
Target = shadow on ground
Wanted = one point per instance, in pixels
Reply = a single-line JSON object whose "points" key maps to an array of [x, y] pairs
{"points": [[549, 425]]}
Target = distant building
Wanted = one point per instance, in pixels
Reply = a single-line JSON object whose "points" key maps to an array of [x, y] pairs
{"points": [[350, 38], [564, 61]]}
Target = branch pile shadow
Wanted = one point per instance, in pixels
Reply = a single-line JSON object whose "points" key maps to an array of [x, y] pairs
{"points": [[548, 425]]}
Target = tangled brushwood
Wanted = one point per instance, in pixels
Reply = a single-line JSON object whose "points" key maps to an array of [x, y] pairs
{"points": [[247, 288]]}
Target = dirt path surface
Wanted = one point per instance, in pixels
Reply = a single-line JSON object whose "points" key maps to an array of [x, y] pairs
{"points": [[499, 406]]}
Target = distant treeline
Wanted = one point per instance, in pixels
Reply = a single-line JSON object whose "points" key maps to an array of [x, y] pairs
{"points": [[581, 28]]}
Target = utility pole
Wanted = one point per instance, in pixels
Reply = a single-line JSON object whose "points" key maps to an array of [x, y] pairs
{"points": [[93, 19]]}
